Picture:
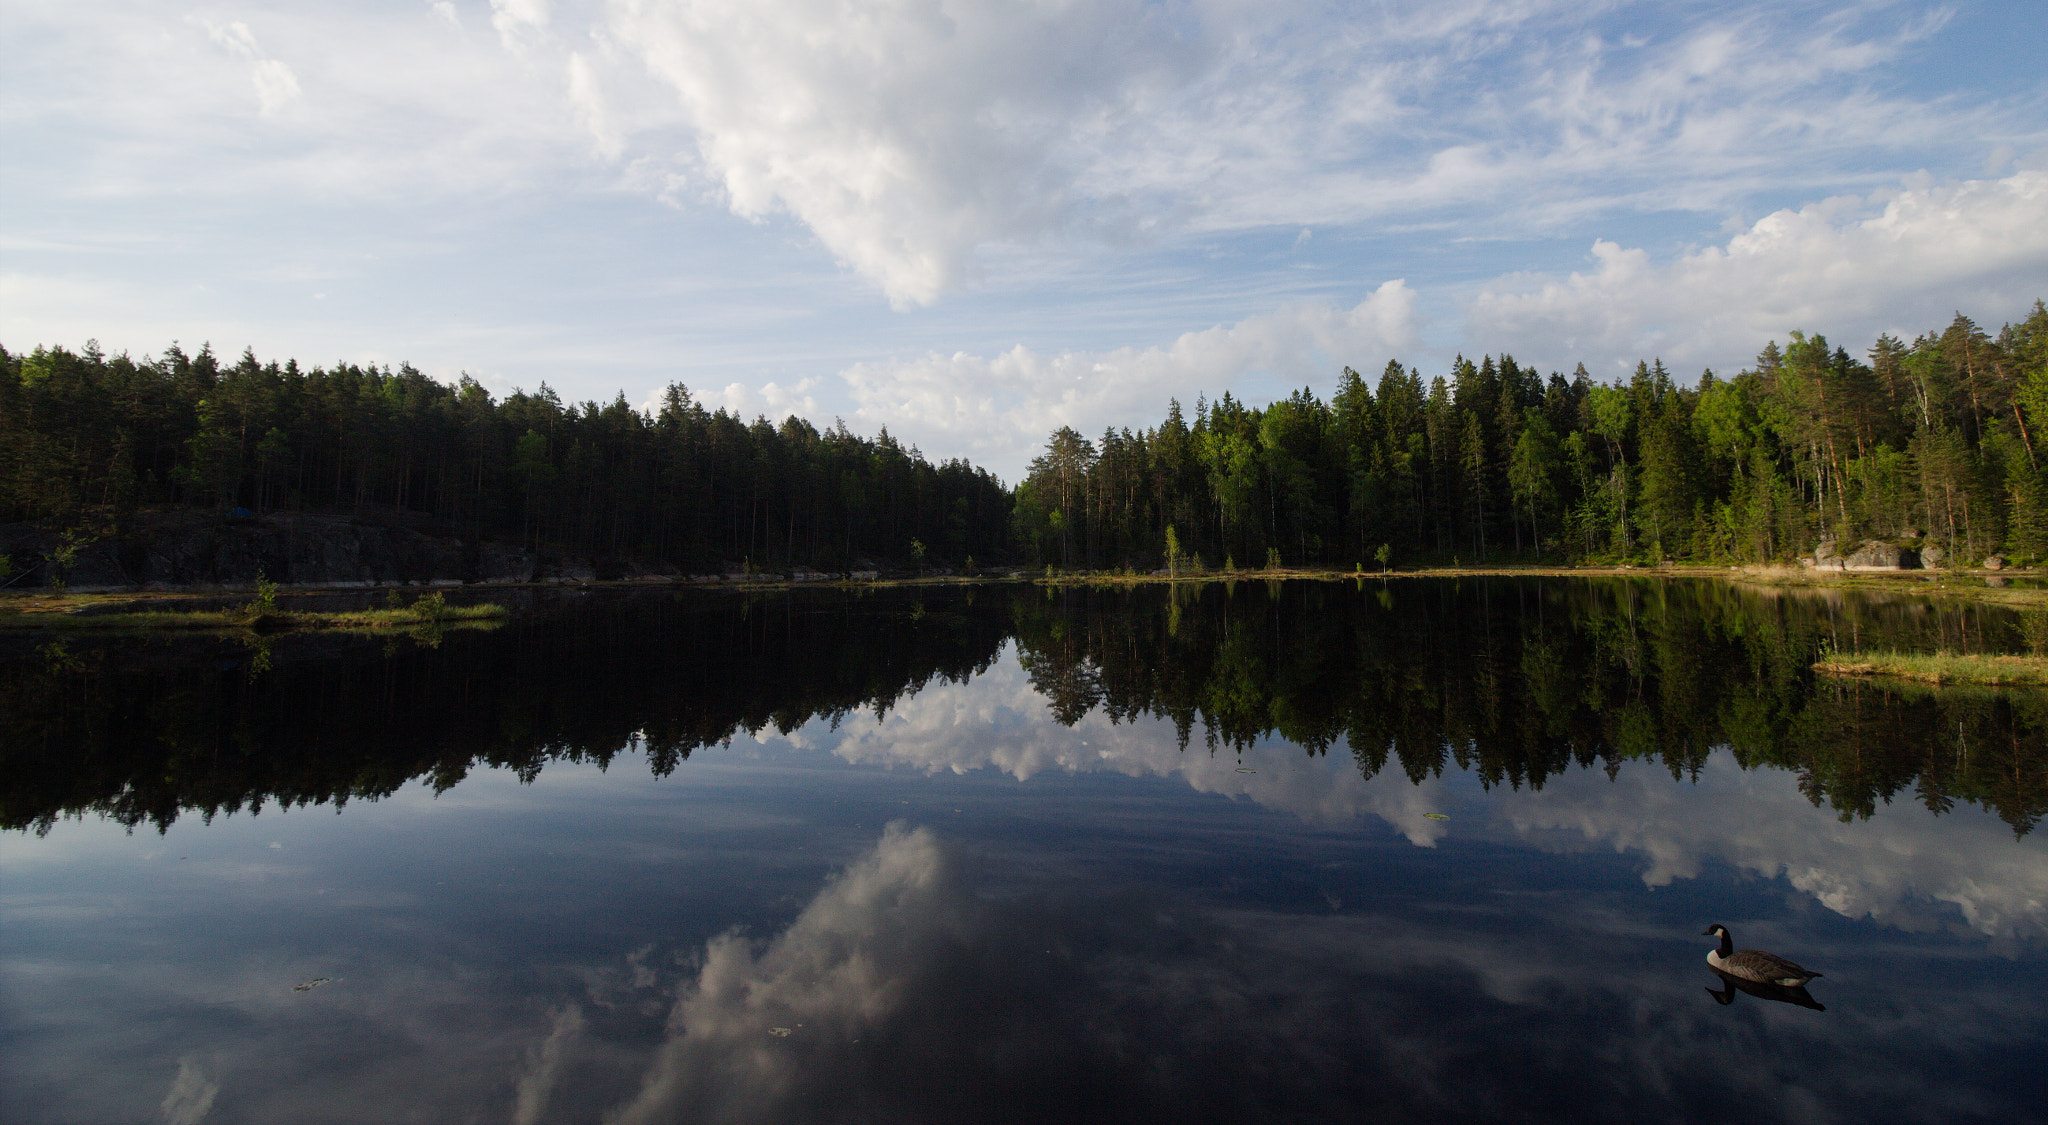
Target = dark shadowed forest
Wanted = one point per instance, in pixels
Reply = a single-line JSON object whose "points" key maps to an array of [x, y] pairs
{"points": [[83, 432]]}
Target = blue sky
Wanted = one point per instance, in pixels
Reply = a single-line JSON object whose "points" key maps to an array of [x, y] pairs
{"points": [[973, 222]]}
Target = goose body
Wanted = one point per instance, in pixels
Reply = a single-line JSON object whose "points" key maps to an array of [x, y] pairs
{"points": [[1754, 964]]}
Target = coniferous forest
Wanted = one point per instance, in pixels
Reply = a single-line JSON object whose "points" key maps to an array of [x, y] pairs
{"points": [[82, 431], [1933, 444], [1937, 441]]}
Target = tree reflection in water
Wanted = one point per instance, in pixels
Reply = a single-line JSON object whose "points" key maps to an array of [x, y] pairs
{"points": [[1517, 680]]}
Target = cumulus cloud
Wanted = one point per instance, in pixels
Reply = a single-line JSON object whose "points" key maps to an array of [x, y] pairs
{"points": [[587, 96], [912, 987], [1000, 721], [519, 23], [276, 85], [904, 135], [741, 1035], [1848, 266], [543, 1063], [998, 409], [770, 400], [1905, 868], [191, 1095], [908, 136]]}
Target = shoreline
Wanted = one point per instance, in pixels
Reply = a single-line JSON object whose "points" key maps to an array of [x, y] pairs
{"points": [[42, 608]]}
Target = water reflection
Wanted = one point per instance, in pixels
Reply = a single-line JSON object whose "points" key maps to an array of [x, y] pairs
{"points": [[1519, 682], [1778, 993], [1144, 857], [911, 991]]}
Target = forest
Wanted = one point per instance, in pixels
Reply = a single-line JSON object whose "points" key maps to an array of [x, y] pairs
{"points": [[84, 432], [1929, 444]]}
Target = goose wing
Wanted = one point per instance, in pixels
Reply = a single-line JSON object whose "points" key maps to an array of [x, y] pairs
{"points": [[1768, 968]]}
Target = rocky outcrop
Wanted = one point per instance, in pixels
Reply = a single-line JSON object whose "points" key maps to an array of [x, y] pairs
{"points": [[1870, 555]]}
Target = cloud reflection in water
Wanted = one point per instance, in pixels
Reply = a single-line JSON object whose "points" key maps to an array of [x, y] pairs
{"points": [[1904, 867], [914, 993]]}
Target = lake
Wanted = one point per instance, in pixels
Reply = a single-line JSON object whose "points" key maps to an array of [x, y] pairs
{"points": [[1412, 850]]}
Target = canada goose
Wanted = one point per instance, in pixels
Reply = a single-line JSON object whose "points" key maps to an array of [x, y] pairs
{"points": [[1753, 964]]}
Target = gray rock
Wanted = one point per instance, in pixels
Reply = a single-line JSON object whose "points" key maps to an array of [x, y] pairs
{"points": [[1932, 555], [1994, 562], [1876, 554]]}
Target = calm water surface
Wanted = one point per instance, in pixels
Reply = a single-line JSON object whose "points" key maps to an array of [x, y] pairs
{"points": [[1411, 851]]}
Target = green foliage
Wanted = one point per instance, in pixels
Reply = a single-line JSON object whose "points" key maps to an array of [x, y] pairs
{"points": [[432, 606], [84, 431], [1939, 436], [265, 602]]}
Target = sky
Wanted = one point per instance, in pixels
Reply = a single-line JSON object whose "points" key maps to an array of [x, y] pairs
{"points": [[974, 222]]}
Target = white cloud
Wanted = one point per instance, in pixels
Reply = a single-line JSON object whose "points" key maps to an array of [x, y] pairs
{"points": [[191, 1095], [846, 963], [909, 136], [999, 409], [1001, 722], [1851, 267], [543, 1064], [905, 135], [587, 96], [771, 400], [519, 23], [1905, 867], [903, 967], [483, 171], [276, 85]]}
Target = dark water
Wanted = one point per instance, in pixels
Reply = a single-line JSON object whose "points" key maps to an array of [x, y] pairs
{"points": [[1416, 851]]}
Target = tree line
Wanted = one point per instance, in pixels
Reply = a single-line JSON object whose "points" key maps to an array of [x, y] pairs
{"points": [[1937, 442], [1929, 444], [679, 483]]}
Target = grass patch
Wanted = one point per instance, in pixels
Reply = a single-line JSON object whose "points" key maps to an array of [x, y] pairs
{"points": [[426, 612], [1940, 667]]}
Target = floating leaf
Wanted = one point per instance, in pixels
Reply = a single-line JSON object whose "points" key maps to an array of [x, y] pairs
{"points": [[1436, 816], [311, 984], [779, 1032], [1241, 769]]}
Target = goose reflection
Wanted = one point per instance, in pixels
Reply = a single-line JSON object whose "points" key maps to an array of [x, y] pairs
{"points": [[1794, 994]]}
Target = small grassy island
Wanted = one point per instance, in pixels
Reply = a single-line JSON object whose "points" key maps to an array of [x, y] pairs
{"points": [[101, 613], [1940, 667]]}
